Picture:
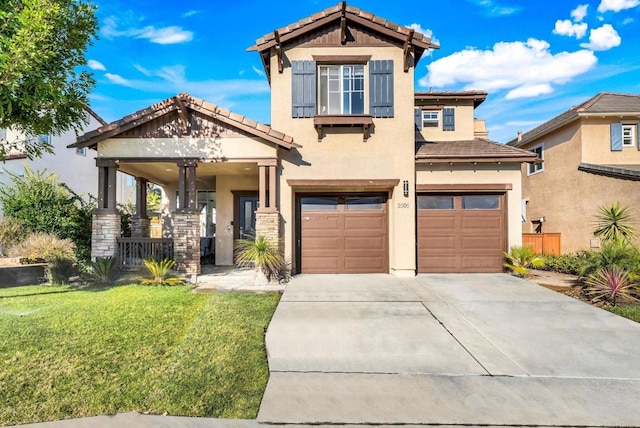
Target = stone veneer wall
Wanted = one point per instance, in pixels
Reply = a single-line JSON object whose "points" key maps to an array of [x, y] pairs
{"points": [[186, 242], [140, 227], [268, 225], [105, 230]]}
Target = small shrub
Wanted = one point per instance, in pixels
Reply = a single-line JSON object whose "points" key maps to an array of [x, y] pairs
{"points": [[102, 270], [620, 253], [609, 284], [59, 270], [12, 232], [564, 263], [44, 247], [520, 259], [261, 254], [161, 273]]}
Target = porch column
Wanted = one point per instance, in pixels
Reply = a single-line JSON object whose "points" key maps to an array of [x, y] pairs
{"points": [[140, 222], [186, 220], [105, 228], [268, 216]]}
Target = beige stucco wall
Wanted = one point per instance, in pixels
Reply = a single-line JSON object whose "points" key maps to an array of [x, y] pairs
{"points": [[596, 138], [342, 154], [228, 147], [481, 174], [568, 198], [464, 123]]}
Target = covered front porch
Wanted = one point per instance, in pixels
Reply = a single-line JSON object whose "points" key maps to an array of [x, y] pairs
{"points": [[218, 172]]}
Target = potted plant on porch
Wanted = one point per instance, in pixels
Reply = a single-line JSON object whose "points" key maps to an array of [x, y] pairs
{"points": [[263, 255]]}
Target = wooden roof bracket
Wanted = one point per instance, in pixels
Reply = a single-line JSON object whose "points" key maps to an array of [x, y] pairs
{"points": [[343, 23], [278, 48], [182, 111], [408, 49]]}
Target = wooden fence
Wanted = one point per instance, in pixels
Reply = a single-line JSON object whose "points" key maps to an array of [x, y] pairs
{"points": [[133, 251], [542, 243]]}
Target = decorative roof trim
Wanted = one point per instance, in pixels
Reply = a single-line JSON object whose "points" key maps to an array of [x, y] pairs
{"points": [[610, 171]]}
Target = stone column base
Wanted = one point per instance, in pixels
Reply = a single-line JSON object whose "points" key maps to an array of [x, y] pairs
{"points": [[140, 227], [105, 230], [268, 225], [186, 242]]}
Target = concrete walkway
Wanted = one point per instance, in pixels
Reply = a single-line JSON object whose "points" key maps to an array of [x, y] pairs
{"points": [[447, 349]]}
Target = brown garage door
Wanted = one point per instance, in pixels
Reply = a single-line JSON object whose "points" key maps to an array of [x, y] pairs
{"points": [[461, 233], [343, 234]]}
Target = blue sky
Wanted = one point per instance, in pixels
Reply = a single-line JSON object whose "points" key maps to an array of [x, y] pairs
{"points": [[536, 59]]}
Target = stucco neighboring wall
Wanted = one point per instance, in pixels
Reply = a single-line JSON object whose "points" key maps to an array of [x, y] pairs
{"points": [[596, 142], [464, 123], [342, 154], [481, 174]]}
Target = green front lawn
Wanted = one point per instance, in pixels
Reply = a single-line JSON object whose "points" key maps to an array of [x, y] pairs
{"points": [[67, 352], [631, 312]]}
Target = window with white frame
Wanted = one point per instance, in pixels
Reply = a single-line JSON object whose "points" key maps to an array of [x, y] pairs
{"points": [[341, 89], [81, 151], [430, 119], [628, 135], [534, 168], [3, 134]]}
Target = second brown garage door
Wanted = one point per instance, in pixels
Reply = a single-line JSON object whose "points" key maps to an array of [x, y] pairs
{"points": [[343, 234], [461, 233]]}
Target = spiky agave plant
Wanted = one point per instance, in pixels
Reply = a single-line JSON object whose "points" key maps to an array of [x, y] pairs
{"points": [[609, 284], [614, 223], [103, 270], [520, 259], [161, 273], [261, 254]]}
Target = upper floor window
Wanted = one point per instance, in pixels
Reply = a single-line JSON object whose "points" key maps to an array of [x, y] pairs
{"points": [[341, 89], [436, 118], [534, 168], [81, 151], [430, 119], [628, 135]]}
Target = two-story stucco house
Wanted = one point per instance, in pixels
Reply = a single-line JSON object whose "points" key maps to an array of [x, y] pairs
{"points": [[355, 173], [591, 158], [76, 167]]}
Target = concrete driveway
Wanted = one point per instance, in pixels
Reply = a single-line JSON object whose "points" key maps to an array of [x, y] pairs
{"points": [[477, 349]]}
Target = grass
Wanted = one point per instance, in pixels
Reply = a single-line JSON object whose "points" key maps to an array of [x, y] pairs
{"points": [[67, 352], [631, 312]]}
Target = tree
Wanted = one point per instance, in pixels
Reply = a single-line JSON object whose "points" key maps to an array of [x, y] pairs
{"points": [[42, 92], [40, 203]]}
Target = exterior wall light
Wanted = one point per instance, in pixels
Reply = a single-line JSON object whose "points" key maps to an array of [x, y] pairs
{"points": [[405, 187]]}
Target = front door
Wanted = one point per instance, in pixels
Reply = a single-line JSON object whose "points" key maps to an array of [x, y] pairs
{"points": [[245, 225]]}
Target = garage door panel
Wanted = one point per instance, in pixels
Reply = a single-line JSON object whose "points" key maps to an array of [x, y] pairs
{"points": [[435, 243], [357, 264], [480, 264], [482, 223], [438, 264], [366, 222], [321, 264], [321, 222], [365, 243], [323, 243], [480, 243]]}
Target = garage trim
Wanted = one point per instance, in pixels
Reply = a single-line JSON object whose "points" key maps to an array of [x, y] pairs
{"points": [[495, 187]]}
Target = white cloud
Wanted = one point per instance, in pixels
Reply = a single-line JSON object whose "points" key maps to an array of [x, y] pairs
{"points": [[142, 70], [617, 5], [524, 68], [627, 21], [602, 38], [579, 13], [258, 71], [118, 80], [189, 13], [427, 32], [567, 28], [163, 36], [493, 8], [96, 65]]}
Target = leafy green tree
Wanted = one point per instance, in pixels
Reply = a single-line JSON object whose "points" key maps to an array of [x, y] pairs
{"points": [[42, 91], [41, 203]]}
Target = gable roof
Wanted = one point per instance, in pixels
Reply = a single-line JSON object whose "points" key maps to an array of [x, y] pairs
{"points": [[604, 103], [478, 97], [476, 150], [180, 102], [288, 33]]}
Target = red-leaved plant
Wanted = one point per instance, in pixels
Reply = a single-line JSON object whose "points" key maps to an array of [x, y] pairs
{"points": [[609, 284]]}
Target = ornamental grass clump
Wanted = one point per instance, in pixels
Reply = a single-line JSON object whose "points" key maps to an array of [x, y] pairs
{"points": [[103, 270], [610, 284], [262, 255], [161, 273], [520, 259], [614, 223]]}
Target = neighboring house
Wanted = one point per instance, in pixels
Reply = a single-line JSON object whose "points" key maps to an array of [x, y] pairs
{"points": [[356, 173], [75, 167], [591, 158]]}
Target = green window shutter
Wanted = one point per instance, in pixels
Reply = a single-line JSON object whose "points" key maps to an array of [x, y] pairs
{"points": [[448, 119], [303, 88], [417, 117], [616, 137], [381, 88]]}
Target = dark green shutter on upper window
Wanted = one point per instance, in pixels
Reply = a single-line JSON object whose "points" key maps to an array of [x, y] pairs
{"points": [[616, 137], [303, 88], [448, 119], [381, 88]]}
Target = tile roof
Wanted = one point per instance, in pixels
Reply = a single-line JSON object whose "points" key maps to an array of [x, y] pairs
{"points": [[477, 96], [602, 103], [476, 150], [299, 27], [629, 172], [90, 139]]}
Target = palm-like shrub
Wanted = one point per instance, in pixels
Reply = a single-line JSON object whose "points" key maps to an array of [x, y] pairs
{"points": [[261, 254], [161, 273], [619, 253], [609, 284], [520, 259], [614, 223], [102, 270]]}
